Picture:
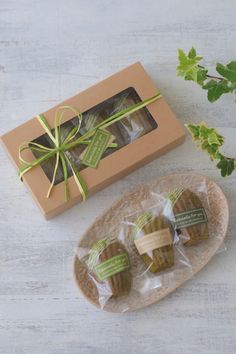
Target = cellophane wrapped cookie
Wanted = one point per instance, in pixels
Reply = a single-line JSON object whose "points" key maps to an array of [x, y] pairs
{"points": [[108, 267], [153, 238], [159, 236], [192, 209], [190, 215], [156, 248], [144, 254]]}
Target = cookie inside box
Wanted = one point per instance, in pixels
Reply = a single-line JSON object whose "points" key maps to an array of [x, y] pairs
{"points": [[124, 131]]}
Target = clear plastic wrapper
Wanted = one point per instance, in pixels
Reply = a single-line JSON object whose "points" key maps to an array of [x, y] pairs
{"points": [[154, 244], [145, 254], [193, 210], [160, 237], [108, 266]]}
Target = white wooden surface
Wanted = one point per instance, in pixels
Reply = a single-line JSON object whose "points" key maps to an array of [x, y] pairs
{"points": [[49, 50]]}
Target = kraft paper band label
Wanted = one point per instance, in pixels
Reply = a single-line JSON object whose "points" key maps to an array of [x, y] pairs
{"points": [[156, 239], [112, 266], [96, 148], [190, 218]]}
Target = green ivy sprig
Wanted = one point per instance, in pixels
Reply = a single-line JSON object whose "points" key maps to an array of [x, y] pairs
{"points": [[190, 69], [208, 139]]}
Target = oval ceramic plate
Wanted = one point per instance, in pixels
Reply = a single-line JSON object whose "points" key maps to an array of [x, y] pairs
{"points": [[199, 256]]}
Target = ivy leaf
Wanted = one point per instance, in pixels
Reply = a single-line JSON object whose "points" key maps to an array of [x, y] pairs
{"points": [[233, 86], [188, 66], [210, 149], [203, 133], [210, 135], [216, 89], [210, 141], [201, 76], [215, 139], [194, 130], [192, 53], [232, 65], [228, 71], [190, 69], [226, 166]]}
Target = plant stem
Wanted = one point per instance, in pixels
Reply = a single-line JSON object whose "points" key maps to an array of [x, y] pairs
{"points": [[215, 77], [211, 76]]}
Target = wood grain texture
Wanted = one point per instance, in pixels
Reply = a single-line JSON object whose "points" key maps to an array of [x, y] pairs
{"points": [[49, 50]]}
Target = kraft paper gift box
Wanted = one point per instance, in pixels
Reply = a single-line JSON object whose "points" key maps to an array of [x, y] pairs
{"points": [[141, 137]]}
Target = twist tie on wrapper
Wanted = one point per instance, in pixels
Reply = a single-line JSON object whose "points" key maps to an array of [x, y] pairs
{"points": [[174, 195], [60, 145], [140, 222], [95, 252]]}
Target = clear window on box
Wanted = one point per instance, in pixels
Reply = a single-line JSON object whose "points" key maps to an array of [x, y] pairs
{"points": [[124, 131]]}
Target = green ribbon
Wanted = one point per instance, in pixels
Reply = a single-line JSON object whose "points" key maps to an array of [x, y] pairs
{"points": [[60, 145]]}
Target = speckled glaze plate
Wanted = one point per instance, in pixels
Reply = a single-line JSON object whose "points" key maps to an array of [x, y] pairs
{"points": [[216, 206]]}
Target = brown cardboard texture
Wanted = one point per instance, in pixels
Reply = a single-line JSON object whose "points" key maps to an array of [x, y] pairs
{"points": [[167, 135]]}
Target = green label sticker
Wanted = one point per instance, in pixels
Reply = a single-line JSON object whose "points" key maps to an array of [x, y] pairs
{"points": [[96, 148], [112, 266], [190, 218]]}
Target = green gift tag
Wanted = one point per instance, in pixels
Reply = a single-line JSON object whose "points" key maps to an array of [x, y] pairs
{"points": [[96, 148], [190, 218], [112, 266]]}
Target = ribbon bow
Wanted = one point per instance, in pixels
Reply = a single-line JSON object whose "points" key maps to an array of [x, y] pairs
{"points": [[60, 145]]}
